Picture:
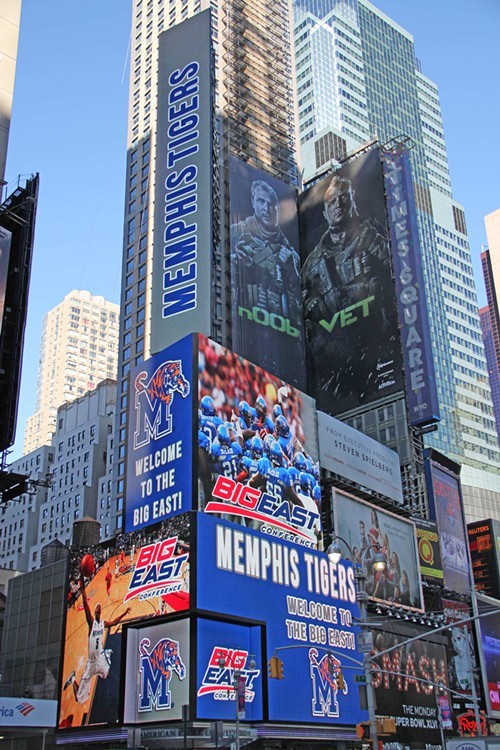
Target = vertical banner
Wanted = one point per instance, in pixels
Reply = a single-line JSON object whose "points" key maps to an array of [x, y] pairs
{"points": [[348, 293], [160, 437], [423, 405], [5, 241], [429, 553], [483, 545], [489, 643], [182, 250], [267, 321]]}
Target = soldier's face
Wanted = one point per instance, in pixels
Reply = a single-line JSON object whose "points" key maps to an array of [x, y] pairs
{"points": [[266, 209], [339, 205]]}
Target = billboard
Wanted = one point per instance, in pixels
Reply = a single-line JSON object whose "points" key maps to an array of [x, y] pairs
{"points": [[307, 607], [484, 539], [402, 690], [429, 553], [24, 713], [267, 321], [348, 293], [160, 437], [489, 646], [157, 672], [445, 503], [421, 391], [461, 658], [368, 529], [357, 457], [142, 577], [182, 250], [257, 448], [5, 240]]}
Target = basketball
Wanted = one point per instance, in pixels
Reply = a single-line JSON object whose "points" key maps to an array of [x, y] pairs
{"points": [[87, 566]]}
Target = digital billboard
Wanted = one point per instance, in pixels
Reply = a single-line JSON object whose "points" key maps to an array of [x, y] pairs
{"points": [[461, 657], [267, 320], [489, 642], [157, 672], [257, 448], [348, 292], [160, 437], [445, 502], [429, 553], [484, 538], [5, 240], [182, 250], [307, 608], [368, 530], [401, 681], [145, 575], [352, 455], [421, 391]]}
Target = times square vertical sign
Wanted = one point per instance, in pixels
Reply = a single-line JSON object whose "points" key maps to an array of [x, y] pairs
{"points": [[421, 390]]}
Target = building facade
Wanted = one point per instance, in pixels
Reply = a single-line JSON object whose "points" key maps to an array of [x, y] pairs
{"points": [[358, 78], [252, 120], [79, 349]]}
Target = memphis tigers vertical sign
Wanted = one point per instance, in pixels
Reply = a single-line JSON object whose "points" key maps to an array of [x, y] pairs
{"points": [[159, 455]]}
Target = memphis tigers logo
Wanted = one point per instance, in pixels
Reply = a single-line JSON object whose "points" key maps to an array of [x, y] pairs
{"points": [[153, 401], [156, 670], [324, 674]]}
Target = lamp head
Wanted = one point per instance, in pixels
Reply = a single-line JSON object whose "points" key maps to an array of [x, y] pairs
{"points": [[334, 552]]}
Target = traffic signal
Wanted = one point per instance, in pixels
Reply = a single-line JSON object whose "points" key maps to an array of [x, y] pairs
{"points": [[340, 681], [363, 730], [275, 668]]}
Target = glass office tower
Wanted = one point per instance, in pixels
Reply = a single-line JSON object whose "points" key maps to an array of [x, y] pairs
{"points": [[358, 78]]}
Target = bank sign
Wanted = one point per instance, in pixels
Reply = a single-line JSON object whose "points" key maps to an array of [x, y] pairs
{"points": [[307, 608], [159, 451]]}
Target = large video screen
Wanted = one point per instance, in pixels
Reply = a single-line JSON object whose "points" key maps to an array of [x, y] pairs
{"points": [[354, 349], [145, 575], [267, 321], [257, 448], [367, 530]]}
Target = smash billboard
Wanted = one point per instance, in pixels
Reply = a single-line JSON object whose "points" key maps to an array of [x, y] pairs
{"points": [[305, 604], [267, 321], [368, 529], [350, 314], [145, 575]]}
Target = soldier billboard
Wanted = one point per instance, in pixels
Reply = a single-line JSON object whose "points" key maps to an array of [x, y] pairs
{"points": [[267, 322], [352, 337]]}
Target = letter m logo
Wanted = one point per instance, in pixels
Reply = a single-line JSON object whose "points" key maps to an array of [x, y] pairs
{"points": [[154, 692], [324, 687], [153, 401]]}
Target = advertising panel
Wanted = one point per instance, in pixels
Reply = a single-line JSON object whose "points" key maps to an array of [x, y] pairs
{"points": [[160, 437], [445, 501], [402, 690], [267, 320], [304, 601], [421, 391], [157, 672], [368, 529], [461, 659], [182, 250], [258, 448], [429, 553], [228, 671], [23, 713], [145, 575], [484, 537], [5, 240], [352, 455], [348, 293], [489, 641]]}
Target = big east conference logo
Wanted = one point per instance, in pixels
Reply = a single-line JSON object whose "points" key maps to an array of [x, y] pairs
{"points": [[158, 570], [153, 401], [218, 681], [156, 669], [324, 676]]}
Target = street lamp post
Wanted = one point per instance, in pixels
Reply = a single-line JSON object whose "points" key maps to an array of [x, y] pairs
{"points": [[334, 553], [236, 686]]}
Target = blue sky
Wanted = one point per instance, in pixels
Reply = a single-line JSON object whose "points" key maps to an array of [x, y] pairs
{"points": [[70, 117]]}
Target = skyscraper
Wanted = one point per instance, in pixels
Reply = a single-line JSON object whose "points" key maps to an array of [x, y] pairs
{"points": [[79, 348], [358, 78], [490, 316], [252, 119], [10, 14]]}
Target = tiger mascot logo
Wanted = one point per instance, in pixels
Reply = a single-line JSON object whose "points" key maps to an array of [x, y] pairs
{"points": [[153, 401], [158, 665]]}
